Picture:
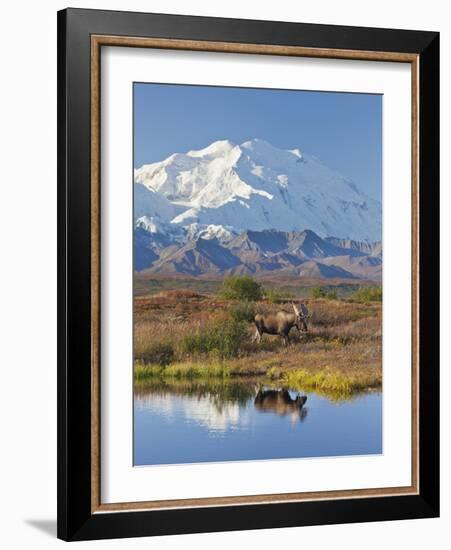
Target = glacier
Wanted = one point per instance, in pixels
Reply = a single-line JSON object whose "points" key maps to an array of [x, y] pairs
{"points": [[228, 188]]}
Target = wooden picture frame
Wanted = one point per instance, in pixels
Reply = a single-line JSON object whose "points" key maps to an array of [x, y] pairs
{"points": [[81, 35]]}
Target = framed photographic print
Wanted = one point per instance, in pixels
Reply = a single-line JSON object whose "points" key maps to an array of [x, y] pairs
{"points": [[248, 274]]}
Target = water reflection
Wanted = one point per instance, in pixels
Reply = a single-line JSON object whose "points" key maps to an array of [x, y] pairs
{"points": [[182, 421], [280, 402], [219, 404], [214, 404]]}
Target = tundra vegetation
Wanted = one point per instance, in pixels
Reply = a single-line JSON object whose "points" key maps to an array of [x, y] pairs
{"points": [[205, 330]]}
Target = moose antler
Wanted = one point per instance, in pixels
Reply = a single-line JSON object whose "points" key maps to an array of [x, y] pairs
{"points": [[305, 311]]}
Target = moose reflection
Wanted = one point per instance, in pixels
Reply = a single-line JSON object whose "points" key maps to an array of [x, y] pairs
{"points": [[280, 402]]}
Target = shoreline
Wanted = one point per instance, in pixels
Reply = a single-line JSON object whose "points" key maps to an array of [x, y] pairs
{"points": [[325, 380]]}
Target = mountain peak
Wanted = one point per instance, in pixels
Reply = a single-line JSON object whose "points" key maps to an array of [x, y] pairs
{"points": [[296, 152], [262, 146], [257, 252], [257, 186], [256, 142], [216, 148]]}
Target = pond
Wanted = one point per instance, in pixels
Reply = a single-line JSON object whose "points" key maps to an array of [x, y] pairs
{"points": [[209, 421]]}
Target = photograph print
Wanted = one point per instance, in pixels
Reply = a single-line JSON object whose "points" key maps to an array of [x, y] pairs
{"points": [[257, 269]]}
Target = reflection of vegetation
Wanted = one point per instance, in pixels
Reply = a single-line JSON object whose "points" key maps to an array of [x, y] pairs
{"points": [[220, 391]]}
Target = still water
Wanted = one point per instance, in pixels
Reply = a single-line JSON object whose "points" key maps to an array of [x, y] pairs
{"points": [[183, 422]]}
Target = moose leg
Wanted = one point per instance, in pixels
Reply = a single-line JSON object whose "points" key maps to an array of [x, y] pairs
{"points": [[257, 336]]}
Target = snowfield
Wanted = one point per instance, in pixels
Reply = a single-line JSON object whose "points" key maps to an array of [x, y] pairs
{"points": [[225, 189]]}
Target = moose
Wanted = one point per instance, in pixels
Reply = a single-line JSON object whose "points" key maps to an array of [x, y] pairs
{"points": [[280, 402], [281, 323]]}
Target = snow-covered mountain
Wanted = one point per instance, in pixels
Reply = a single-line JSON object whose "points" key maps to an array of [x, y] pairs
{"points": [[225, 189]]}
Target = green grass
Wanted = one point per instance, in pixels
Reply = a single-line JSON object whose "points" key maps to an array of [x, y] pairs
{"points": [[325, 380], [244, 311], [368, 294], [275, 295], [241, 287], [143, 372], [159, 353], [223, 338], [322, 292], [328, 382]]}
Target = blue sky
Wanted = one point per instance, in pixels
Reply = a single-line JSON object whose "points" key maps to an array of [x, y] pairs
{"points": [[344, 130]]}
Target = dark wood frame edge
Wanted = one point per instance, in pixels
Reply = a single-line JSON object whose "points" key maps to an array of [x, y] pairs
{"points": [[75, 517]]}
